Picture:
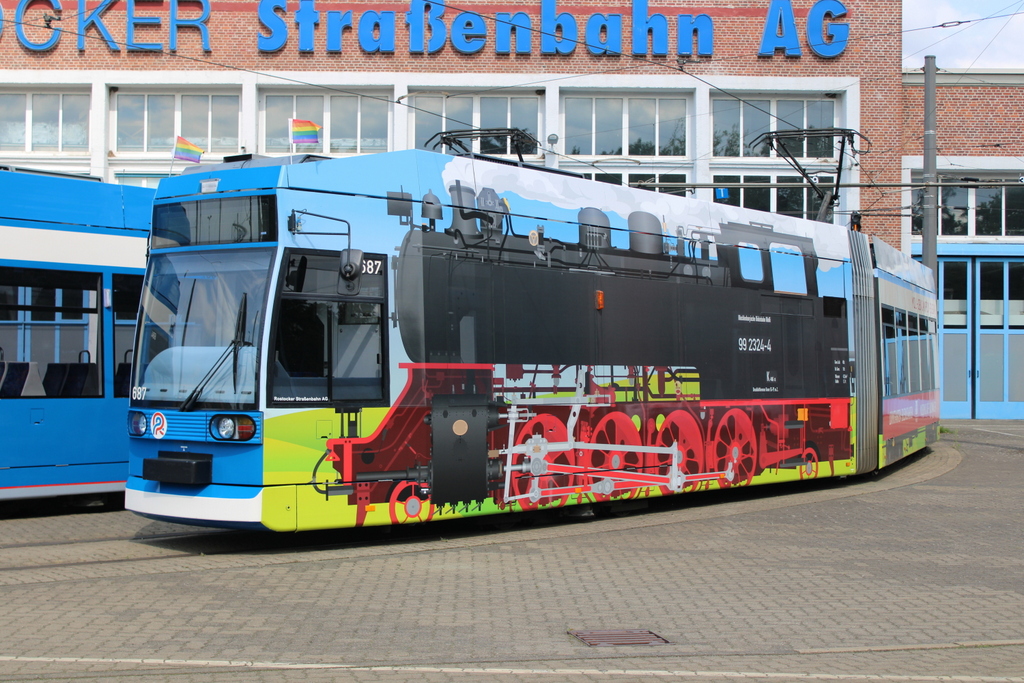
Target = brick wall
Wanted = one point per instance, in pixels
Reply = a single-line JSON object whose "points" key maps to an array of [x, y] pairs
{"points": [[872, 55]]}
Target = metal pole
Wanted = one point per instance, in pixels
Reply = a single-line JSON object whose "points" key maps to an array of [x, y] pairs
{"points": [[929, 205]]}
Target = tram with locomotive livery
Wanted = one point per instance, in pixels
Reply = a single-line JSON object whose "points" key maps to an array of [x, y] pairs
{"points": [[413, 336], [71, 272]]}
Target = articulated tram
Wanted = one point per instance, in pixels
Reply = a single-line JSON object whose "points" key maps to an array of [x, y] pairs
{"points": [[413, 336]]}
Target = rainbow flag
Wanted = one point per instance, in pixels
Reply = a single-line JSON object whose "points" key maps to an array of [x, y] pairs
{"points": [[304, 132], [186, 151]]}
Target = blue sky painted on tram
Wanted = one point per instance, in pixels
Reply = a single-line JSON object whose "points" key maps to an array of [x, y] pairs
{"points": [[993, 43]]}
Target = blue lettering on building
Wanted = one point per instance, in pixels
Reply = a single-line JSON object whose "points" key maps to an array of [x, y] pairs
{"points": [[19, 22], [428, 32]]}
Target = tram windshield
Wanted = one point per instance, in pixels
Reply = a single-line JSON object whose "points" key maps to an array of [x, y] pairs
{"points": [[201, 317]]}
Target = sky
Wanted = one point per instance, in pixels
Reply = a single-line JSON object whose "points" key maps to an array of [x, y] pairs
{"points": [[994, 43]]}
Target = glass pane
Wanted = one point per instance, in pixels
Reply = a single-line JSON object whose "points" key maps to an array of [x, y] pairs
{"points": [[954, 211], [45, 297], [610, 178], [608, 125], [917, 213], [756, 197], [224, 124], [8, 299], [791, 115], [756, 122], [72, 298], [672, 128], [578, 126], [1015, 211], [903, 385], [954, 367], [642, 181], [344, 124], [988, 213], [821, 115], [300, 359], [990, 306], [727, 195], [374, 124], [673, 178], [75, 126], [356, 352], [524, 117], [991, 378], [131, 123], [1016, 287], [726, 116], [494, 114], [641, 126], [279, 110], [160, 123], [428, 114], [954, 294], [790, 202], [12, 122], [458, 113], [310, 108], [915, 354], [45, 122], [195, 120], [814, 201], [1016, 367]]}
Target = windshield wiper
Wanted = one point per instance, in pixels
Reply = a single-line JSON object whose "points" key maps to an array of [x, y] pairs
{"points": [[232, 348]]}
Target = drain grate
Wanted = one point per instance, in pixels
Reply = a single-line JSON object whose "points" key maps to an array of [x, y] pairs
{"points": [[619, 637]]}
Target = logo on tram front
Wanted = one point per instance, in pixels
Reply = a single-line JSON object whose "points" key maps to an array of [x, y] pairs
{"points": [[158, 425]]}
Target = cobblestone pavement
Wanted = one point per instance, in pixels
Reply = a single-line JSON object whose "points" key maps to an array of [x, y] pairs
{"points": [[916, 574]]}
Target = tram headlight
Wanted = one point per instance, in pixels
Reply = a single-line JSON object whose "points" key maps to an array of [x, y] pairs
{"points": [[137, 423], [232, 427]]}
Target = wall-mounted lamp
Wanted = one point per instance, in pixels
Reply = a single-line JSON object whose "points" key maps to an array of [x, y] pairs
{"points": [[553, 139]]}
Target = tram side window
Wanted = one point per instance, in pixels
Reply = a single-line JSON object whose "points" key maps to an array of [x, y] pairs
{"points": [[50, 333], [889, 366], [127, 292], [914, 355]]}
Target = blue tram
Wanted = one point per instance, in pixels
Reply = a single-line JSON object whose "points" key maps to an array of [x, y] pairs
{"points": [[71, 269]]}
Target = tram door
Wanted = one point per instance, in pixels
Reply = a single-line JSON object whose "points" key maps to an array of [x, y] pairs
{"points": [[983, 338]]}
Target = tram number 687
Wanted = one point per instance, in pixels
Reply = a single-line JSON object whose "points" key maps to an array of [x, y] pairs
{"points": [[139, 393], [372, 266], [754, 344]]}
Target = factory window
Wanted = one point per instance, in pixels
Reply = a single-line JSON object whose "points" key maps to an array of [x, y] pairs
{"points": [[433, 114], [149, 123], [346, 124], [640, 126], [44, 122], [971, 210], [800, 201], [739, 124], [210, 122]]}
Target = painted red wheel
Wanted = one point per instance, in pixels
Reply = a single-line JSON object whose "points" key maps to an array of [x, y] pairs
{"points": [[406, 506], [809, 470], [734, 449], [552, 430], [615, 429], [681, 428]]}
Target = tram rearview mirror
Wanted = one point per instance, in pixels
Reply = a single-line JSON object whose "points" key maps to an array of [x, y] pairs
{"points": [[348, 273]]}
